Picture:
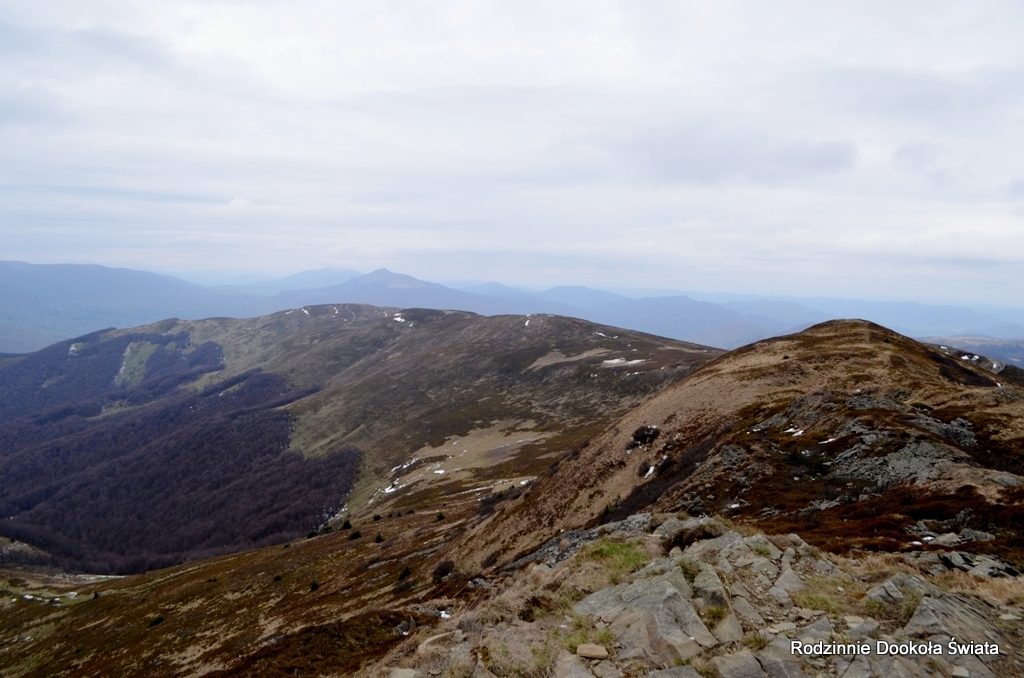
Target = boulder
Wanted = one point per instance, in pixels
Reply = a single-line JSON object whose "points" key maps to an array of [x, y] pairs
{"points": [[886, 593], [760, 545], [684, 532], [708, 586], [778, 662], [668, 639], [781, 596], [728, 630], [789, 582], [405, 673], [865, 628], [747, 613], [976, 535], [696, 549], [739, 665], [822, 630]]}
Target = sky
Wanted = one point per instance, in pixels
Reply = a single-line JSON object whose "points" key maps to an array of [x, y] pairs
{"points": [[855, 149]]}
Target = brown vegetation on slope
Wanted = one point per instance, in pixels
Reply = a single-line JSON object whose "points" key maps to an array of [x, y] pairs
{"points": [[846, 432]]}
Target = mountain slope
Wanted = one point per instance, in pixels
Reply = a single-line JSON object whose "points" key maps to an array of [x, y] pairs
{"points": [[846, 432], [889, 442], [128, 449]]}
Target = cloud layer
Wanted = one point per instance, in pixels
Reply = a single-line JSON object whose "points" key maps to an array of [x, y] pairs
{"points": [[846, 148]]}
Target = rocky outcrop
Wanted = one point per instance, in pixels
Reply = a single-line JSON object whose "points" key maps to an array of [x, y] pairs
{"points": [[733, 606]]}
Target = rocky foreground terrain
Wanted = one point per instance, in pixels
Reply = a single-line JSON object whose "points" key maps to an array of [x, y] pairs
{"points": [[678, 597]]}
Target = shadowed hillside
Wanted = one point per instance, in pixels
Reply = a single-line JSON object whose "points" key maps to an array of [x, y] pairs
{"points": [[131, 449]]}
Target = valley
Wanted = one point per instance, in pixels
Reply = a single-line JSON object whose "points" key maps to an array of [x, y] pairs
{"points": [[516, 505]]}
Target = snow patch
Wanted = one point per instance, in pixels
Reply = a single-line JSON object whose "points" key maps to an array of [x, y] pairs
{"points": [[622, 361], [305, 311], [439, 472]]}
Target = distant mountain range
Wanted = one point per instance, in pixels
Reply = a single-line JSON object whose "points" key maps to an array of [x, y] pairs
{"points": [[43, 304]]}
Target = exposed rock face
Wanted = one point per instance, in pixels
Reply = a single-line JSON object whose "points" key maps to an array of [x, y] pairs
{"points": [[735, 606]]}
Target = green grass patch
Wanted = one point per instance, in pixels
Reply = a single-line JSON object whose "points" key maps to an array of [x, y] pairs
{"points": [[133, 369], [834, 596], [618, 558]]}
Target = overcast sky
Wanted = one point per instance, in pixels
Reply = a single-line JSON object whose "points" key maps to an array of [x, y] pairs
{"points": [[859, 149]]}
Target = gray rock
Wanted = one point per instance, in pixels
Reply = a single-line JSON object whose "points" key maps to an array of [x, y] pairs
{"points": [[955, 616], [738, 589], [606, 670], [657, 623], [712, 545], [739, 665], [685, 532], [708, 586], [781, 597], [913, 583], [886, 593], [759, 564], [778, 662], [675, 672], [986, 570], [976, 535], [733, 455], [819, 630], [862, 630], [604, 604], [956, 561], [638, 522], [659, 566], [746, 612], [1007, 480], [789, 582], [857, 666], [405, 673], [728, 630], [569, 666], [669, 640], [608, 603], [947, 539], [759, 544]]}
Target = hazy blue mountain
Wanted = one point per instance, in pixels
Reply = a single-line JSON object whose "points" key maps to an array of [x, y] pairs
{"points": [[788, 312], [42, 304], [386, 288], [305, 280], [681, 316], [916, 319], [494, 289], [582, 297]]}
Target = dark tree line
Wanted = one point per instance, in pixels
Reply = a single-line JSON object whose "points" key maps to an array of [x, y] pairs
{"points": [[176, 475]]}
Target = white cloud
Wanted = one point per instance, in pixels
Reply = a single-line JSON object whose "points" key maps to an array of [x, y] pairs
{"points": [[853, 148]]}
